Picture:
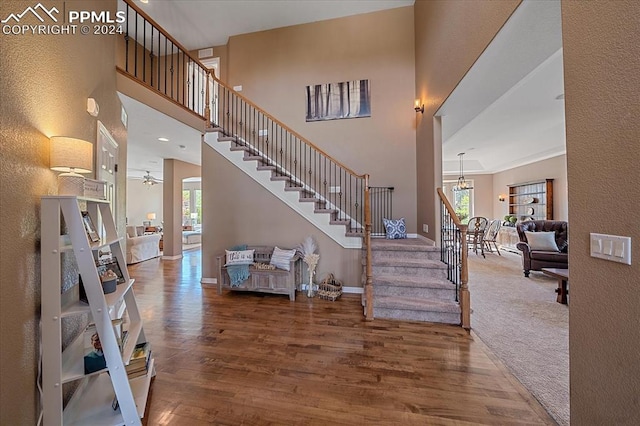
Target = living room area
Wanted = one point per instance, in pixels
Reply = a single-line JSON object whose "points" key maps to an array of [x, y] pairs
{"points": [[145, 216]]}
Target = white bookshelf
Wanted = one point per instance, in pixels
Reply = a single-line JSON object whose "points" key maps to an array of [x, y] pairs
{"points": [[91, 403]]}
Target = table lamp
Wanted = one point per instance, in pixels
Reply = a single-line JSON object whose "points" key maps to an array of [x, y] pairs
{"points": [[71, 156], [151, 217]]}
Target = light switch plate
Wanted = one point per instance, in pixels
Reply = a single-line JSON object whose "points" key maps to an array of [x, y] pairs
{"points": [[611, 247]]}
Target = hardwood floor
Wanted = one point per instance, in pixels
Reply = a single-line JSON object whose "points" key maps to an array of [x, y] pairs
{"points": [[254, 359]]}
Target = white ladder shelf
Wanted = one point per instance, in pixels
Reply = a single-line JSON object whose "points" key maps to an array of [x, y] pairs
{"points": [[91, 403]]}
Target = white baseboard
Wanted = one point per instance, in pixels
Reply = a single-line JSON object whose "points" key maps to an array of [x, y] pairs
{"points": [[176, 257], [209, 281]]}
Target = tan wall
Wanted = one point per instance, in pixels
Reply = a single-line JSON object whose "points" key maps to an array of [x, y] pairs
{"points": [[602, 88], [143, 199], [241, 211], [274, 67], [449, 37], [174, 171], [44, 84], [553, 168]]}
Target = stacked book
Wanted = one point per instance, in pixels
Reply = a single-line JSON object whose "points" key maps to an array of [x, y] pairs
{"points": [[139, 362]]}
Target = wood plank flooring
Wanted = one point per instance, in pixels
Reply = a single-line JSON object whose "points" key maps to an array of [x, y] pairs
{"points": [[253, 359]]}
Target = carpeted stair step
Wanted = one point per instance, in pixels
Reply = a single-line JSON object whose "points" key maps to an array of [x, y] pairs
{"points": [[414, 287], [409, 248], [415, 309], [409, 267]]}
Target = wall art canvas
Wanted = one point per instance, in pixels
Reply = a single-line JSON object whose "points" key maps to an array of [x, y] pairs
{"points": [[331, 101]]}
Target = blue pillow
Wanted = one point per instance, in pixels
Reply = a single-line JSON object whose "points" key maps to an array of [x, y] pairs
{"points": [[396, 229]]}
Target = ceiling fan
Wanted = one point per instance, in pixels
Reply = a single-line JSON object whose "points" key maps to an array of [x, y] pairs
{"points": [[150, 180]]}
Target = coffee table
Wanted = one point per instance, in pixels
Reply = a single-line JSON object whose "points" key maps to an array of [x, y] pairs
{"points": [[562, 275]]}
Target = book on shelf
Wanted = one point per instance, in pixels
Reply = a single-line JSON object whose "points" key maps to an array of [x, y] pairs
{"points": [[139, 361]]}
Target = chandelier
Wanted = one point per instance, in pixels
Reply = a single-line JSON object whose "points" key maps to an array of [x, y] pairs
{"points": [[462, 184]]}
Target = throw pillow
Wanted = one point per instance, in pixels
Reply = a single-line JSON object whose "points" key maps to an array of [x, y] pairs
{"points": [[542, 241], [281, 258], [395, 229], [239, 257]]}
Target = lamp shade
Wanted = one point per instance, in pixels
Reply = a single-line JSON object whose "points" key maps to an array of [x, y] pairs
{"points": [[70, 155], [151, 216]]}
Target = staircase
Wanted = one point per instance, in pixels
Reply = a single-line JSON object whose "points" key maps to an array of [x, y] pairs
{"points": [[285, 185], [410, 282]]}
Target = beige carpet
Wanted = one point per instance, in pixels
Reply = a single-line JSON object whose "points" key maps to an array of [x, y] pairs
{"points": [[520, 320]]}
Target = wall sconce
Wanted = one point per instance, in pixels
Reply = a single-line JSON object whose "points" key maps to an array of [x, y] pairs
{"points": [[418, 107], [502, 197], [71, 156]]}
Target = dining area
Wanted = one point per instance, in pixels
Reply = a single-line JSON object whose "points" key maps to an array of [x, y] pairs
{"points": [[482, 235]]}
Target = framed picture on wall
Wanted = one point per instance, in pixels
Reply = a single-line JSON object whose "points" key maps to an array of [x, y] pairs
{"points": [[332, 101]]}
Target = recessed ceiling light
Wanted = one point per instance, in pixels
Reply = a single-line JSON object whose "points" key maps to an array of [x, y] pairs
{"points": [[182, 147], [163, 139]]}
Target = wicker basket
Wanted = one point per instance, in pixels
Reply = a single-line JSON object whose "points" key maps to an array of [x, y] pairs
{"points": [[330, 288]]}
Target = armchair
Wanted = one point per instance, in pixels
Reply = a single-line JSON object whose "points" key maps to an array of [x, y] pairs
{"points": [[538, 253]]}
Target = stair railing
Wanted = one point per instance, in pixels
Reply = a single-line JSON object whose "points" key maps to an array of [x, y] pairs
{"points": [[453, 252], [381, 208], [151, 57]]}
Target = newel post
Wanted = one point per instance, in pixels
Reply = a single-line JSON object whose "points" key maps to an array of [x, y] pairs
{"points": [[465, 296], [368, 286]]}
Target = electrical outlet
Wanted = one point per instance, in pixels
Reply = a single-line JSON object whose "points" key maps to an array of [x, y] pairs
{"points": [[425, 227]]}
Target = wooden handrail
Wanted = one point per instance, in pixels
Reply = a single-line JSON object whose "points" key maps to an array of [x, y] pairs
{"points": [[166, 34], [464, 294], [449, 208]]}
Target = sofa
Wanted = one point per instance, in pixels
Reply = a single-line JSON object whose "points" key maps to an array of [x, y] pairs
{"points": [[549, 250], [141, 247]]}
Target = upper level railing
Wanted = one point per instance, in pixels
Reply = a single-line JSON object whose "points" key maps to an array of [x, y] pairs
{"points": [[152, 57], [453, 252]]}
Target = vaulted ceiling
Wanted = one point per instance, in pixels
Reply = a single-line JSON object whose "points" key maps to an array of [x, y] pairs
{"points": [[507, 111]]}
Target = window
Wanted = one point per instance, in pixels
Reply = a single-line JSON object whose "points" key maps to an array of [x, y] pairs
{"points": [[191, 207], [461, 201]]}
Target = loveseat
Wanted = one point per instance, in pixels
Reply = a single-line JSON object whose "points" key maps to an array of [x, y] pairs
{"points": [[140, 246], [549, 249]]}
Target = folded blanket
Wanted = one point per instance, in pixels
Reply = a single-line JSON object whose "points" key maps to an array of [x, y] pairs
{"points": [[238, 273]]}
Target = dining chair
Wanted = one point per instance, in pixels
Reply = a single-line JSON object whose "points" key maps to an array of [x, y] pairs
{"points": [[475, 234], [491, 235]]}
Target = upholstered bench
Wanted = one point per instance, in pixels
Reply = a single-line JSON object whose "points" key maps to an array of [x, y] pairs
{"points": [[275, 281]]}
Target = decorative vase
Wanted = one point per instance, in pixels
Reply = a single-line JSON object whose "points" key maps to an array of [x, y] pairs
{"points": [[310, 287]]}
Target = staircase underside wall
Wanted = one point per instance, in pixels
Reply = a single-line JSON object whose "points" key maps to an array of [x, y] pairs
{"points": [[241, 211]]}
